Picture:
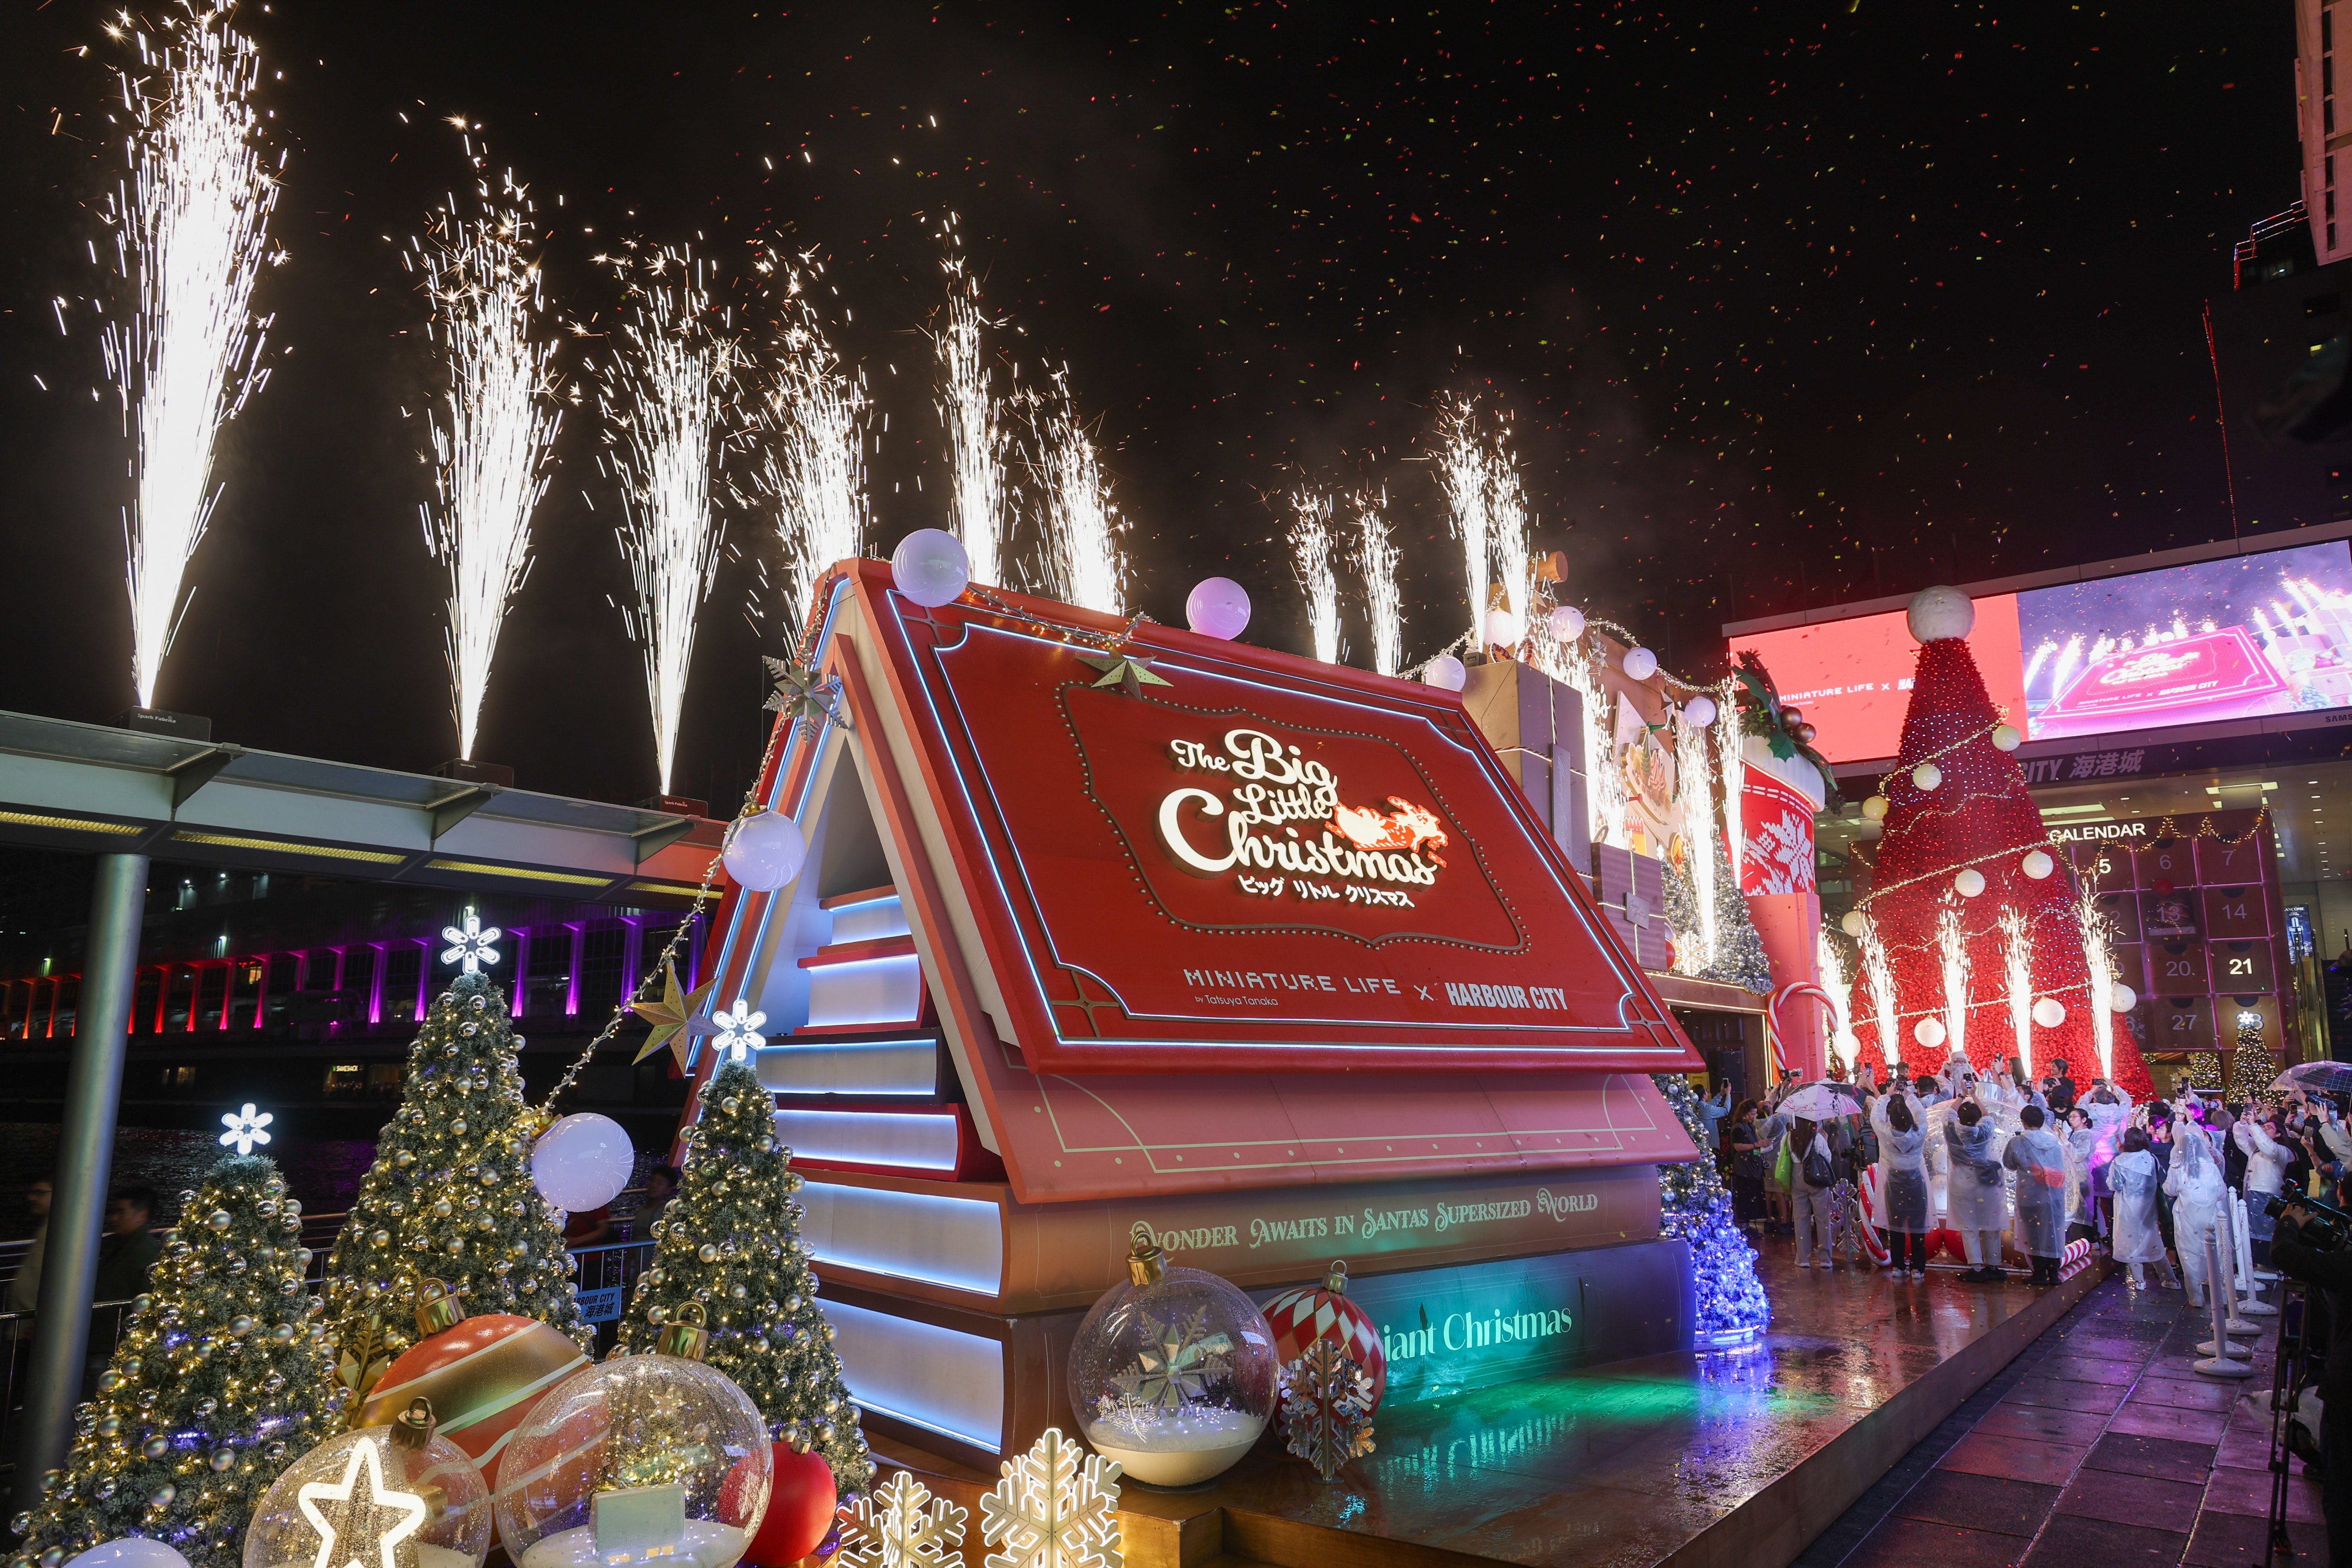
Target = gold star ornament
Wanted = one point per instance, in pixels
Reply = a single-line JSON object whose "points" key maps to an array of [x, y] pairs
{"points": [[1125, 670], [676, 1018]]}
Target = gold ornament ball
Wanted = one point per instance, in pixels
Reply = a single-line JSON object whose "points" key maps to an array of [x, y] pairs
{"points": [[1874, 808]]}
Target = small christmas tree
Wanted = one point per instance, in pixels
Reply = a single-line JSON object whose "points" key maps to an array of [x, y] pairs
{"points": [[1963, 840], [216, 1386], [1694, 1205], [731, 1241], [2252, 1066], [450, 1195]]}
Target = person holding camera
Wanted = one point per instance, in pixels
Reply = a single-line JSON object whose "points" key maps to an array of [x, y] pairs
{"points": [[2313, 1253]]}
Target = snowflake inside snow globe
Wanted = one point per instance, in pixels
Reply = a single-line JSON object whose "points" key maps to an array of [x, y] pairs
{"points": [[639, 1460], [1172, 1373]]}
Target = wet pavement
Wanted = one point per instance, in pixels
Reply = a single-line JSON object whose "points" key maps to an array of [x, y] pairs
{"points": [[1722, 1459], [2097, 1444]]}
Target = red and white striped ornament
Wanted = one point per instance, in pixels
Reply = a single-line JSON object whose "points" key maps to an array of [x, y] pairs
{"points": [[1307, 1313]]}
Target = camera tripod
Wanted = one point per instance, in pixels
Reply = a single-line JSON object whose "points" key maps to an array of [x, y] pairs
{"points": [[2288, 1366]]}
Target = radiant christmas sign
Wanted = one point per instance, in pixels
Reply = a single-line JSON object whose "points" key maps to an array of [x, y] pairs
{"points": [[1183, 852]]}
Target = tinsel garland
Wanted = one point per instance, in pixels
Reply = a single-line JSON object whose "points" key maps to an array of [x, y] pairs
{"points": [[1695, 1207]]}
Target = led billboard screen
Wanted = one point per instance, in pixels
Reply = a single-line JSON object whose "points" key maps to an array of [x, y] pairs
{"points": [[2215, 640]]}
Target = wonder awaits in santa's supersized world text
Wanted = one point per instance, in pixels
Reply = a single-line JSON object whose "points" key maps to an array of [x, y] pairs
{"points": [[1982, 920]]}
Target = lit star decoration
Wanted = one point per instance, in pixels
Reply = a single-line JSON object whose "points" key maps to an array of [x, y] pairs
{"points": [[246, 1128], [738, 1031], [353, 1532], [1053, 1511], [471, 945], [677, 1018], [1124, 670]]}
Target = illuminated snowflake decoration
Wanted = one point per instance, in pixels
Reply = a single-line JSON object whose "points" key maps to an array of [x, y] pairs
{"points": [[471, 945], [738, 1031], [1052, 1510], [246, 1128], [902, 1525], [1176, 1362]]}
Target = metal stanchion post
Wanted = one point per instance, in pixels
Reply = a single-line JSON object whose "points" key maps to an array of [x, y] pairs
{"points": [[85, 1159], [2219, 1357]]}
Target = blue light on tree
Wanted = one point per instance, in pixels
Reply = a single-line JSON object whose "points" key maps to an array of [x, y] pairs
{"points": [[1694, 1205]]}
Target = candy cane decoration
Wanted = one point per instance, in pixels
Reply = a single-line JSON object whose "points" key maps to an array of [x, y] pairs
{"points": [[1797, 991]]}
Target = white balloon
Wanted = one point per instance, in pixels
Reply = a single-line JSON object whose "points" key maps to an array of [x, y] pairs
{"points": [[1939, 613], [1640, 664], [1926, 775], [582, 1162], [1445, 673], [2037, 864], [1217, 608], [1568, 622], [1853, 923], [1874, 808], [1700, 712], [2005, 737], [1502, 628], [2121, 998], [1928, 1032], [1969, 882], [2050, 1012], [131, 1552], [930, 567], [763, 850]]}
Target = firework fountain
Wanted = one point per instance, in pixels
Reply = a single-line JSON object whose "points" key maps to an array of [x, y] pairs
{"points": [[191, 221], [666, 396], [972, 416], [494, 426], [1084, 565], [1461, 461], [1880, 975], [1953, 944], [1508, 524], [1310, 562], [813, 468], [2100, 963], [1376, 558], [1696, 786], [2017, 970], [1832, 963]]}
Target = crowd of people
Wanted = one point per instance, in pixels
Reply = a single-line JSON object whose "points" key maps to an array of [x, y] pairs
{"points": [[2005, 1160]]}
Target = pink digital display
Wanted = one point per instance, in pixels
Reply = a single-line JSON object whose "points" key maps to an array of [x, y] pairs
{"points": [[2205, 643]]}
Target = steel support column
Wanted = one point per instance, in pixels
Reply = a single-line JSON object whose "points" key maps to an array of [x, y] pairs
{"points": [[85, 1160]]}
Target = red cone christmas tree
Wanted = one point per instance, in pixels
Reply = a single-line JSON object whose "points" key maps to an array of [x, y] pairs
{"points": [[1960, 849]]}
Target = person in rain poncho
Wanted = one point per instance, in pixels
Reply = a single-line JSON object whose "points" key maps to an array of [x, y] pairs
{"points": [[2109, 1109], [2194, 1185], [1814, 1219], [2266, 1162], [2040, 1161], [2139, 1240], [2080, 1140], [1902, 1182], [1976, 1192]]}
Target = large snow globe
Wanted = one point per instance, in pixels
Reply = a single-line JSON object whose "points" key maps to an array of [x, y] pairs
{"points": [[1172, 1373], [641, 1459]]}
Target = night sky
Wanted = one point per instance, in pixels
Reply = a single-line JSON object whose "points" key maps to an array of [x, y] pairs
{"points": [[1789, 305]]}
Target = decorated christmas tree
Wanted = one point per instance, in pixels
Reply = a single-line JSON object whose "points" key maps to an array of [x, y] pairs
{"points": [[2252, 1065], [450, 1195], [1963, 845], [731, 1241], [217, 1385], [1694, 1205]]}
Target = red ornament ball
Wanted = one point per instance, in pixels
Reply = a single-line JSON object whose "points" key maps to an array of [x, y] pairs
{"points": [[799, 1510], [1299, 1316], [483, 1376]]}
